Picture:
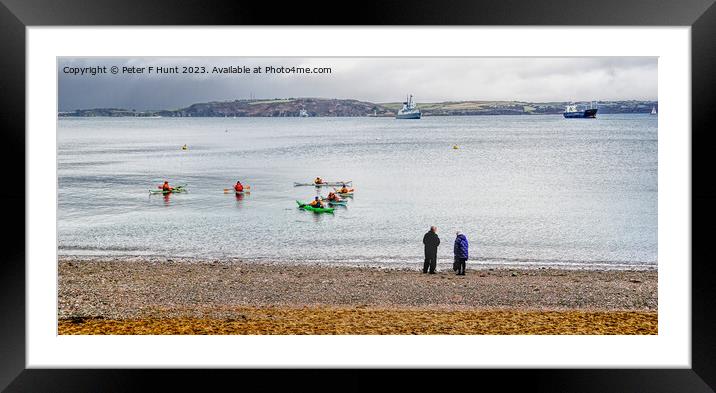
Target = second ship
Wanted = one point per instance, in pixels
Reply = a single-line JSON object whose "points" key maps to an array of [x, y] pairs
{"points": [[571, 112]]}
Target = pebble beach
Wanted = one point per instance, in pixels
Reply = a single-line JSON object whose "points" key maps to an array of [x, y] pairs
{"points": [[239, 297]]}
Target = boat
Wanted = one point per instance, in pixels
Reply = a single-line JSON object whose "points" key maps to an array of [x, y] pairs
{"points": [[303, 113], [305, 206], [409, 110], [247, 190], [174, 190], [653, 110], [337, 203], [572, 112], [344, 194], [324, 184]]}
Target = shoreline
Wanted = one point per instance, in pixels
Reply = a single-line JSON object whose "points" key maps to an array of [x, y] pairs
{"points": [[226, 297], [478, 264]]}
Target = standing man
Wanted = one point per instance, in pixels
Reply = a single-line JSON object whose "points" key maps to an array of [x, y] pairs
{"points": [[431, 241], [460, 250]]}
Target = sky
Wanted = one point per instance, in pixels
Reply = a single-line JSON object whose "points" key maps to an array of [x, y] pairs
{"points": [[375, 80]]}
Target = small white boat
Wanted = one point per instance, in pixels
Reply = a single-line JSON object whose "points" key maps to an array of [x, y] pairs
{"points": [[653, 110]]}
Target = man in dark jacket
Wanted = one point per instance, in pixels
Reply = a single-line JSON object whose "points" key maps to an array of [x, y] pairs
{"points": [[460, 251], [431, 241]]}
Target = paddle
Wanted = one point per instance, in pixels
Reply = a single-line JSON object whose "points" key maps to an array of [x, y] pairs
{"points": [[227, 190]]}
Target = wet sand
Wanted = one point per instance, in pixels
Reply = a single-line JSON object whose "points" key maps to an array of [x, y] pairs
{"points": [[231, 297]]}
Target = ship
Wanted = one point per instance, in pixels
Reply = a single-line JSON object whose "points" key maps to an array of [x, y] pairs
{"points": [[572, 112], [409, 110], [303, 113]]}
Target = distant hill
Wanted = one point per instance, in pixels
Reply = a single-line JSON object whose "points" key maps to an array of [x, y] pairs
{"points": [[290, 107], [476, 108], [105, 112], [323, 107]]}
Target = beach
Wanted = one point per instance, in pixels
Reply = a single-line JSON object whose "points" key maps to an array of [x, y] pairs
{"points": [[194, 296]]}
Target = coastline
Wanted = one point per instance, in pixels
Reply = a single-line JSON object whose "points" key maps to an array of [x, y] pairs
{"points": [[382, 263], [232, 297]]}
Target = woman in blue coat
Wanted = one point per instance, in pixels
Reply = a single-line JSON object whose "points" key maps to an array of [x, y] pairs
{"points": [[461, 254]]}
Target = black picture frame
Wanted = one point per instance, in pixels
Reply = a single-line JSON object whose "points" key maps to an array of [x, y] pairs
{"points": [[16, 15]]}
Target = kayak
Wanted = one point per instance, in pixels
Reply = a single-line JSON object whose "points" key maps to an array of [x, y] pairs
{"points": [[310, 208], [350, 194], [339, 203], [305, 206], [176, 189], [324, 184], [247, 190]]}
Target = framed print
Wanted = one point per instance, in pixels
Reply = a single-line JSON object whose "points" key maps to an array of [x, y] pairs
{"points": [[513, 190]]}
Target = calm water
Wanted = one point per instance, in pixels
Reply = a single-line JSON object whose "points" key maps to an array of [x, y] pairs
{"points": [[526, 190]]}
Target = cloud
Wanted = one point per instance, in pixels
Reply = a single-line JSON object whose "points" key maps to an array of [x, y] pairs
{"points": [[369, 79]]}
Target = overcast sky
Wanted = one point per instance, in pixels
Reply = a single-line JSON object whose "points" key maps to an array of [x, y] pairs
{"points": [[367, 79]]}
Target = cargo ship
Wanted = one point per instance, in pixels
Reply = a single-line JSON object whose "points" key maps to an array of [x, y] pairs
{"points": [[571, 112], [409, 110]]}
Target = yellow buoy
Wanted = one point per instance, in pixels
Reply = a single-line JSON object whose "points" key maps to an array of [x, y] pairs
{"points": [[184, 147], [455, 147]]}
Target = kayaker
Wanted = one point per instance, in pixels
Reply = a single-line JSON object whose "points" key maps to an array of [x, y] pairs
{"points": [[460, 251], [431, 242], [344, 190], [318, 180], [166, 187], [317, 203], [239, 187], [333, 197]]}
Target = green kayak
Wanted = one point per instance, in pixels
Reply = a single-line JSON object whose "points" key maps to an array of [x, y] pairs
{"points": [[175, 190], [310, 208]]}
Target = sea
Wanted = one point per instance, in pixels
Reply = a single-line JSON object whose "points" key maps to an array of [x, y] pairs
{"points": [[533, 191]]}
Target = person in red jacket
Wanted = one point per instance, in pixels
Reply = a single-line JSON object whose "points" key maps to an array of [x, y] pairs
{"points": [[166, 186], [239, 187]]}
